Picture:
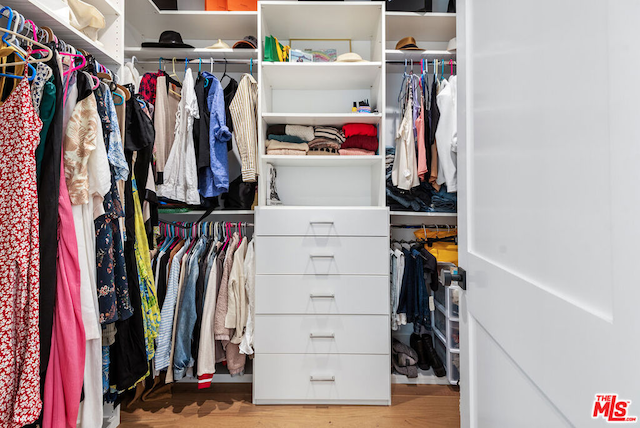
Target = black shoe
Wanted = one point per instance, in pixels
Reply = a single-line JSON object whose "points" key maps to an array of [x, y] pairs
{"points": [[432, 356], [415, 341]]}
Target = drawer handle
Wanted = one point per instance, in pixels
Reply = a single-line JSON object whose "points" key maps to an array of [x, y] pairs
{"points": [[322, 336], [322, 379], [322, 296], [321, 256], [330, 223]]}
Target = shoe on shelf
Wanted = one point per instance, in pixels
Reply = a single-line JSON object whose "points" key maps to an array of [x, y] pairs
{"points": [[432, 356], [415, 341]]}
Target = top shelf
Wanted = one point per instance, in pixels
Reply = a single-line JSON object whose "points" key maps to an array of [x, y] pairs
{"points": [[55, 15], [149, 21], [424, 27]]}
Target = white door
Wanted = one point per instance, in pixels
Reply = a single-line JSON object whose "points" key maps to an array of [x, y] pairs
{"points": [[549, 136]]}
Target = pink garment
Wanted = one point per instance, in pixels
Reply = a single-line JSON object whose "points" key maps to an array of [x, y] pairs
{"points": [[63, 384], [356, 152], [422, 150]]}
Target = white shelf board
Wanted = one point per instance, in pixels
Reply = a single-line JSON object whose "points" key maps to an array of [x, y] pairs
{"points": [[425, 27], [317, 119], [42, 15], [322, 20], [213, 213], [322, 161], [221, 377], [396, 55], [152, 54], [425, 377], [312, 75], [145, 17], [426, 218]]}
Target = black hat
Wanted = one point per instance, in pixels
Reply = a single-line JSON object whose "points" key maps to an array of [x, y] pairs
{"points": [[248, 42], [168, 39]]}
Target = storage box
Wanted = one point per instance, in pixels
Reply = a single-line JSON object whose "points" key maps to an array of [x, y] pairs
{"points": [[247, 5], [215, 5]]}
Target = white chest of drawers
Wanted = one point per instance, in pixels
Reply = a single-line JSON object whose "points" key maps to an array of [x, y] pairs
{"points": [[322, 332]]}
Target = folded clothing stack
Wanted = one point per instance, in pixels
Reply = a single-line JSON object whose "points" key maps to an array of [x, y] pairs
{"points": [[275, 147], [327, 141], [361, 139], [288, 139]]}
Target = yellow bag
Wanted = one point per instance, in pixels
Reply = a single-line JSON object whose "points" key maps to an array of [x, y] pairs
{"points": [[444, 252]]}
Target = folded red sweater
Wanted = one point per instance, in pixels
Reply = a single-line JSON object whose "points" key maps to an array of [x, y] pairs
{"points": [[351, 129], [361, 142]]}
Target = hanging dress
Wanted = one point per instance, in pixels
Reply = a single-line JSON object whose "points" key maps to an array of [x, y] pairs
{"points": [[19, 261]]}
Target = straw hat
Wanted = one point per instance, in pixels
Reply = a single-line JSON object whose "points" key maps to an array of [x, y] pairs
{"points": [[350, 57], [407, 44], [219, 45]]}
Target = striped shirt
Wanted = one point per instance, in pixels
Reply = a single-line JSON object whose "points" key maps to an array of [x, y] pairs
{"points": [[163, 342], [244, 111]]}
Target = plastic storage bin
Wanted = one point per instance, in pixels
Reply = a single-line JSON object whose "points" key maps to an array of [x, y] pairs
{"points": [[440, 322], [454, 302], [242, 5], [215, 5], [454, 335]]}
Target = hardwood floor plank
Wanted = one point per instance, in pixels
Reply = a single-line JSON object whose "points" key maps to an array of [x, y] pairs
{"points": [[425, 406]]}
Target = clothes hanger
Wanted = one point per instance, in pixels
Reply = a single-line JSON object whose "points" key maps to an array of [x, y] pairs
{"points": [[173, 74], [95, 80], [225, 72], [451, 65], [7, 32], [251, 66], [160, 64]]}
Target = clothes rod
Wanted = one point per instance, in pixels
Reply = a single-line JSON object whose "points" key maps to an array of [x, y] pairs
{"points": [[196, 61]]}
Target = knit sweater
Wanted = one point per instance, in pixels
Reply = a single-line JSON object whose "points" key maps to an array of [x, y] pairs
{"points": [[301, 131]]}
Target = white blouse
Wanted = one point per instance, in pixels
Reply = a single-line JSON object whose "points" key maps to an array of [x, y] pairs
{"points": [[404, 174], [181, 170]]}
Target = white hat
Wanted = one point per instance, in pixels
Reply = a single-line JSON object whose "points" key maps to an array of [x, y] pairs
{"points": [[350, 57], [452, 45], [219, 45]]}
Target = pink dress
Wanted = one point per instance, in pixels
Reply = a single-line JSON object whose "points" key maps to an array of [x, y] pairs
{"points": [[422, 150], [19, 261]]}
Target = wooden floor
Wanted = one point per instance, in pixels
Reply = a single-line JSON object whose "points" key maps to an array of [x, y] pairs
{"points": [[229, 406]]}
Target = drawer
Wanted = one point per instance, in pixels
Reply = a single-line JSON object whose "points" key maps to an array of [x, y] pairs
{"points": [[321, 379], [322, 255], [322, 334], [298, 221], [322, 294]]}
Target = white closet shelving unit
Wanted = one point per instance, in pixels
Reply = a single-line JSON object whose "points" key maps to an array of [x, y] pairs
{"points": [[108, 49], [322, 282], [432, 32]]}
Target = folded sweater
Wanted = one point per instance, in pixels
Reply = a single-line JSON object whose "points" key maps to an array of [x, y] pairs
{"points": [[286, 138], [361, 142], [324, 143], [279, 145], [351, 129], [356, 152], [329, 132], [287, 152], [304, 132], [276, 129]]}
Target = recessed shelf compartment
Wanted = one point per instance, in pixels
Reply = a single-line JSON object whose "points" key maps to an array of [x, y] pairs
{"points": [[424, 27], [320, 75], [149, 22], [317, 119]]}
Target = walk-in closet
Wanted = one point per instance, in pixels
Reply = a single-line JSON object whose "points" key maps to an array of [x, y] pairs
{"points": [[310, 213]]}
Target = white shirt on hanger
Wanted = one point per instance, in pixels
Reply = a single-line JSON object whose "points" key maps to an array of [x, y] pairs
{"points": [[404, 174], [447, 135]]}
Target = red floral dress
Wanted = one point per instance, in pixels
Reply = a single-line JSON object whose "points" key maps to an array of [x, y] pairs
{"points": [[19, 261]]}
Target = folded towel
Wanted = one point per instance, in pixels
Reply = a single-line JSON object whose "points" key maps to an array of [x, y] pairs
{"points": [[351, 129], [361, 142], [356, 152], [286, 152], [323, 152], [279, 145], [276, 129], [329, 132], [324, 143], [286, 138], [300, 131]]}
